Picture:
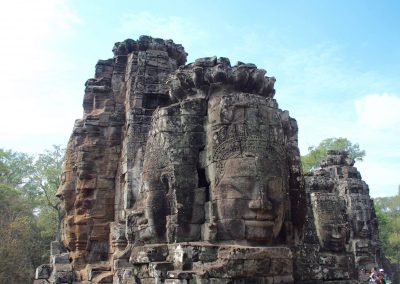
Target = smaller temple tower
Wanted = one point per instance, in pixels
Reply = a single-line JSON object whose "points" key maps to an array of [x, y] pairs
{"points": [[341, 227]]}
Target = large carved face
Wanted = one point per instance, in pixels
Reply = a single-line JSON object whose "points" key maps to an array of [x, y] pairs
{"points": [[155, 205], [361, 224], [361, 215], [66, 192], [250, 199], [330, 220], [247, 167], [333, 236]]}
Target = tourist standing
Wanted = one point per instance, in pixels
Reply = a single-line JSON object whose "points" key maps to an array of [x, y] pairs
{"points": [[381, 279], [372, 276]]}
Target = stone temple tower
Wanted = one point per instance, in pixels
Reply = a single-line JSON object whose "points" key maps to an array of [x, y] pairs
{"points": [[191, 174]]}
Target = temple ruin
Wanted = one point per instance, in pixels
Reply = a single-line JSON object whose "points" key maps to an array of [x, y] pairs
{"points": [[191, 174]]}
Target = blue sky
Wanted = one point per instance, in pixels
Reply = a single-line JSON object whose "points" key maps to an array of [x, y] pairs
{"points": [[336, 64]]}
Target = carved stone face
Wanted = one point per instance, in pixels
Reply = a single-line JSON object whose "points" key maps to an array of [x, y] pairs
{"points": [[360, 215], [361, 226], [247, 167], [66, 192], [330, 220], [250, 199], [333, 236], [155, 203]]}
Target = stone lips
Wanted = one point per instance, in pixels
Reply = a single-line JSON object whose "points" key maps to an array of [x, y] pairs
{"points": [[191, 174]]}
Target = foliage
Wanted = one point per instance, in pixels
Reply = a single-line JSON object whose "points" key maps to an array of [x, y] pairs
{"points": [[318, 153], [15, 170], [18, 250], [28, 211], [47, 178], [12, 204], [388, 212], [46, 175]]}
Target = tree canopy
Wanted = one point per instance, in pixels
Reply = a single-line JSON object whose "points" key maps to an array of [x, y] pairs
{"points": [[318, 153], [388, 212], [29, 211]]}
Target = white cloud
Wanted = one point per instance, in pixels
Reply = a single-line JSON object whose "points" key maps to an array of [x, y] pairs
{"points": [[320, 72], [377, 122], [34, 69], [30, 33], [180, 29], [27, 27], [376, 126], [381, 176], [378, 111], [327, 97]]}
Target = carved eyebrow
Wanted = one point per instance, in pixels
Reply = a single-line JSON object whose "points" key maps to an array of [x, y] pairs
{"points": [[231, 186]]}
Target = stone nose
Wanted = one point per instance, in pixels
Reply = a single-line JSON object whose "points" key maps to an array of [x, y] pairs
{"points": [[260, 204], [335, 233], [260, 201], [364, 230]]}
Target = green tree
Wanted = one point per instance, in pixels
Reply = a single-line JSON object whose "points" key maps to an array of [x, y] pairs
{"points": [[384, 224], [47, 179], [17, 234], [388, 213], [29, 211], [15, 170], [318, 153], [394, 240]]}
